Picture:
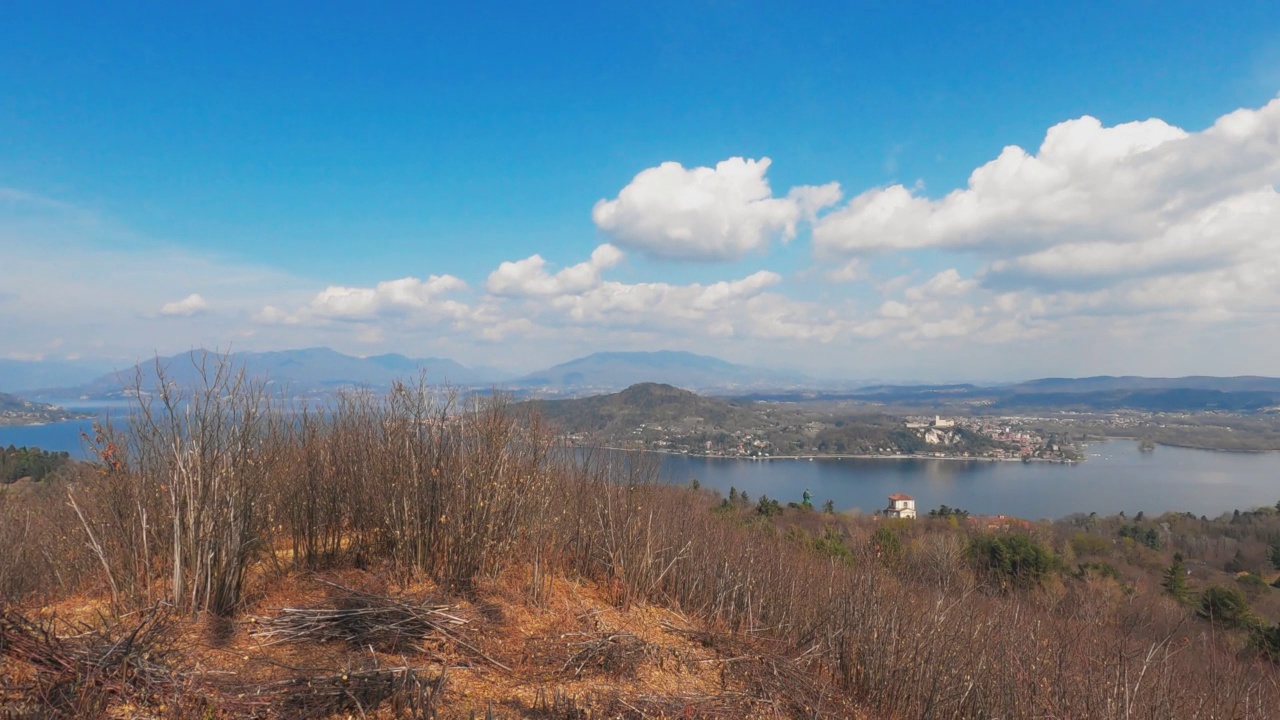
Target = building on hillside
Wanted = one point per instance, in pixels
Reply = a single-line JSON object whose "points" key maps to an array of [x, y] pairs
{"points": [[937, 422], [992, 523], [901, 506]]}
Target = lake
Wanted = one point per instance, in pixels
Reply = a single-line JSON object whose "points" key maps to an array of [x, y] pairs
{"points": [[1115, 477]]}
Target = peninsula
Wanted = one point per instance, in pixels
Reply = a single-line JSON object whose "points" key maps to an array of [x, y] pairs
{"points": [[16, 411]]}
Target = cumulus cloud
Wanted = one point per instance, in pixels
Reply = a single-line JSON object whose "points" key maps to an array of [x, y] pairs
{"points": [[656, 301], [408, 298], [190, 305], [946, 284], [524, 298], [1139, 217], [702, 213], [1101, 231], [1088, 186], [529, 277]]}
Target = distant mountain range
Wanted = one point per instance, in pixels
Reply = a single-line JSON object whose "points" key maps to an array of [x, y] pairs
{"points": [[25, 375], [318, 370], [305, 371], [322, 370], [616, 370], [1092, 394]]}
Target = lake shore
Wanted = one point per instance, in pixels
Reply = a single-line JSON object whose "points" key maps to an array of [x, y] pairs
{"points": [[845, 456]]}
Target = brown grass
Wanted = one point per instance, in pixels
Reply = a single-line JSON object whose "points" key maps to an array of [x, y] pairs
{"points": [[425, 554]]}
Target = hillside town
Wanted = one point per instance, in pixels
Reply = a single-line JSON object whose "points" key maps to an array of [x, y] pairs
{"points": [[924, 437]]}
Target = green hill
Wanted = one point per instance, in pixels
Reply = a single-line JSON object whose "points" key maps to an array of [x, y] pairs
{"points": [[650, 404]]}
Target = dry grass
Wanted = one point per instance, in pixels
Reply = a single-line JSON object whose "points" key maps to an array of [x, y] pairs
{"points": [[636, 662], [416, 554]]}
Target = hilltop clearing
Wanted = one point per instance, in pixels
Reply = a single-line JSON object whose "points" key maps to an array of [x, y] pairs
{"points": [[391, 557]]}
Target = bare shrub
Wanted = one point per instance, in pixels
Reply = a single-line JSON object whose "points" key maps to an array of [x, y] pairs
{"points": [[42, 555], [197, 486], [181, 487]]}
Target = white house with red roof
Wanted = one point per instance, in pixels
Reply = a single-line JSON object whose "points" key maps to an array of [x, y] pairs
{"points": [[901, 506]]}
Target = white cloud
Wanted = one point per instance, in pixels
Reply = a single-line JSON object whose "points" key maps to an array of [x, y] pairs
{"points": [[101, 286], [702, 213], [190, 305], [656, 302], [272, 315], [848, 271], [946, 284], [1095, 245], [1087, 183], [1140, 217], [529, 278], [525, 299], [406, 295]]}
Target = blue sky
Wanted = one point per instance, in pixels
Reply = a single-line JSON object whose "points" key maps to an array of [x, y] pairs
{"points": [[262, 177]]}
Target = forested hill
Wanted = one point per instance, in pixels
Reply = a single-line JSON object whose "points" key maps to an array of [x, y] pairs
{"points": [[662, 417], [648, 404]]}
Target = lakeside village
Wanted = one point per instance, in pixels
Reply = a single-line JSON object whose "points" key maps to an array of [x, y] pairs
{"points": [[984, 438]]}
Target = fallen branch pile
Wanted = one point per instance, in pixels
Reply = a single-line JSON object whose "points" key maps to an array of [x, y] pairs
{"points": [[363, 619], [617, 654], [410, 692], [762, 676], [79, 671]]}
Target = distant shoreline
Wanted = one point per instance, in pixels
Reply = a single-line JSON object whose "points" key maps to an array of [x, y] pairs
{"points": [[839, 457], [40, 422]]}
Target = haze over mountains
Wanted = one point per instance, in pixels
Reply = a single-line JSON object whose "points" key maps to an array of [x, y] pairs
{"points": [[323, 370], [304, 371], [615, 370], [317, 370], [27, 375], [1100, 393]]}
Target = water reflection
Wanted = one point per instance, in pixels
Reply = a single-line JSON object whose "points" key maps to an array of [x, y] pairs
{"points": [[1116, 477]]}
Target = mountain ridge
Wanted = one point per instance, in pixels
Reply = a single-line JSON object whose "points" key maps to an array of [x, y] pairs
{"points": [[679, 368], [302, 371]]}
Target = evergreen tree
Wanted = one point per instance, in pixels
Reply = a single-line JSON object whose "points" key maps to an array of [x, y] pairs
{"points": [[1236, 563], [1175, 579], [1225, 605]]}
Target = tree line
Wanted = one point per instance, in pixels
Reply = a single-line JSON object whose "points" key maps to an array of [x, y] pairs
{"points": [[17, 463]]}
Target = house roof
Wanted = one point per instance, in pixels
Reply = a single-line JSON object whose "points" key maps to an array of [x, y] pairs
{"points": [[900, 496]]}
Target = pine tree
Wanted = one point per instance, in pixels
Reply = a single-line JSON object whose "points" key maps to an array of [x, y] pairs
{"points": [[1175, 579], [1236, 563]]}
